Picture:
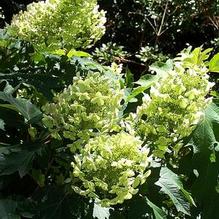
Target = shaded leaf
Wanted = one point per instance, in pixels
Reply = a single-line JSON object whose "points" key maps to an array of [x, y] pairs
{"points": [[25, 107], [56, 203], [205, 134], [17, 158], [8, 209], [205, 143]]}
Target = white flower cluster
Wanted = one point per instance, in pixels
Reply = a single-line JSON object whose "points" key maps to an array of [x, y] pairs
{"points": [[175, 104], [89, 106], [60, 24], [111, 168]]}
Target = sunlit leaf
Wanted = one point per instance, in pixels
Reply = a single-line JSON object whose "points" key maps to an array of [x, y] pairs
{"points": [[172, 186], [214, 64]]}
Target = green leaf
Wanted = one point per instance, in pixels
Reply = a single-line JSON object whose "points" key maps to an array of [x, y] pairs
{"points": [[60, 52], [135, 208], [145, 82], [25, 107], [205, 141], [39, 177], [214, 64], [129, 78], [205, 133], [17, 158], [56, 203], [100, 212], [172, 186], [16, 209], [198, 56], [158, 212], [73, 52], [162, 68]]}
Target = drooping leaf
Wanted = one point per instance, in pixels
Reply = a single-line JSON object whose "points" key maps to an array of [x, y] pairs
{"points": [[25, 107], [158, 212], [172, 186]]}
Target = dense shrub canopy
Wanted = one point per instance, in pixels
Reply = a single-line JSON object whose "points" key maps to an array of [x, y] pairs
{"points": [[119, 129]]}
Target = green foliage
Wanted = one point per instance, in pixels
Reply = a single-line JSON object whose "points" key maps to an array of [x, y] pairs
{"points": [[59, 24], [202, 167], [8, 209], [57, 202], [107, 161], [22, 64], [25, 107]]}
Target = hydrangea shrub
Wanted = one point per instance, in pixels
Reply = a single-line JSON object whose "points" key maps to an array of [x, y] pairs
{"points": [[60, 24], [110, 149], [111, 168]]}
